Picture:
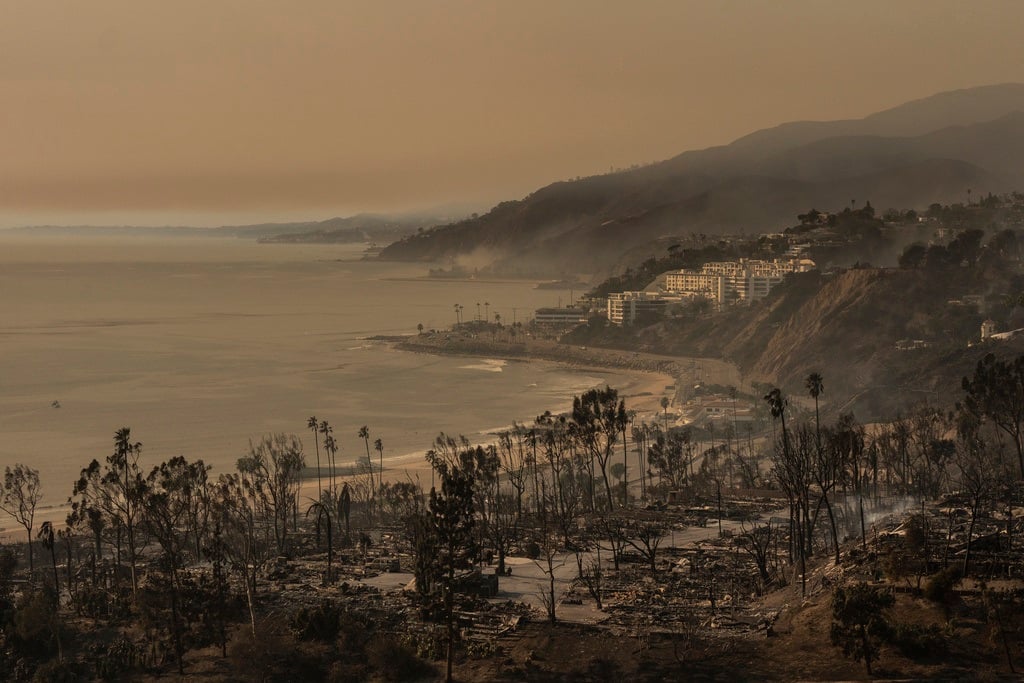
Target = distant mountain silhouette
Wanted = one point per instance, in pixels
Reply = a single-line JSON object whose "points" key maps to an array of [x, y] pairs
{"points": [[358, 228], [928, 150]]}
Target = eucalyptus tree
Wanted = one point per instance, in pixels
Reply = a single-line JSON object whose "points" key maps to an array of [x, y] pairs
{"points": [[497, 508], [187, 483], [87, 517], [275, 464], [19, 497], [669, 455], [646, 537], [169, 508], [981, 470], [996, 391], [549, 550], [514, 454], [239, 533], [124, 478], [827, 472], [553, 438], [792, 468], [450, 521], [859, 625], [597, 419], [856, 462], [111, 497], [48, 537], [757, 540], [933, 450]]}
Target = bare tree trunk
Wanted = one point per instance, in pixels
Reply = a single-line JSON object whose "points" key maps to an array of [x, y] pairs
{"points": [[970, 538], [449, 608], [250, 599], [832, 522], [863, 531]]}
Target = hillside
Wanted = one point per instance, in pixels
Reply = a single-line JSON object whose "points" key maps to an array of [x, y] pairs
{"points": [[847, 326], [926, 151]]}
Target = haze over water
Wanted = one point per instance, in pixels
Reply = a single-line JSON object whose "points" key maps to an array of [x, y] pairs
{"points": [[198, 344]]}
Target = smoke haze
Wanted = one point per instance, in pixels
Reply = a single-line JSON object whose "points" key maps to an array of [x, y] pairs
{"points": [[210, 113]]}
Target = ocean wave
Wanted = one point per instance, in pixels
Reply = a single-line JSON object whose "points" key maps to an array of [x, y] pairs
{"points": [[488, 365]]}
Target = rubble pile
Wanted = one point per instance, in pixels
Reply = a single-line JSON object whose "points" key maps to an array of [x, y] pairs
{"points": [[709, 585]]}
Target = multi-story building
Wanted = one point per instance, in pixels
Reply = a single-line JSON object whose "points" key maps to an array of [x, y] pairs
{"points": [[623, 307], [727, 282], [560, 316]]}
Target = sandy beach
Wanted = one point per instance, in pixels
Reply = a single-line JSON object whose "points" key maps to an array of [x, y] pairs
{"points": [[642, 393], [649, 377]]}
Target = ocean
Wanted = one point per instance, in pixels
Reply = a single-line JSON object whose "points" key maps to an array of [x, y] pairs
{"points": [[201, 344]]}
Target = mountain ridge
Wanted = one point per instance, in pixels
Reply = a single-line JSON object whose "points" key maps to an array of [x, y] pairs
{"points": [[971, 138]]}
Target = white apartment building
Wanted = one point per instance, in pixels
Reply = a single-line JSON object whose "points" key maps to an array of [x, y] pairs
{"points": [[623, 307], [727, 282]]}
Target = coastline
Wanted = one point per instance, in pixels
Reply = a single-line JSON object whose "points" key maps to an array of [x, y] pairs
{"points": [[650, 376], [678, 369], [648, 380]]}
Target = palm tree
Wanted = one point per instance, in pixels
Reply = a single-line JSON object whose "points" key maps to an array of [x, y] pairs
{"points": [[664, 406], [815, 387], [777, 405], [624, 419], [364, 434], [314, 426], [326, 430], [487, 311], [378, 445], [331, 446], [323, 516]]}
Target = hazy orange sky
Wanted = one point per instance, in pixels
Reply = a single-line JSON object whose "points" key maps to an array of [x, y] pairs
{"points": [[217, 111]]}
